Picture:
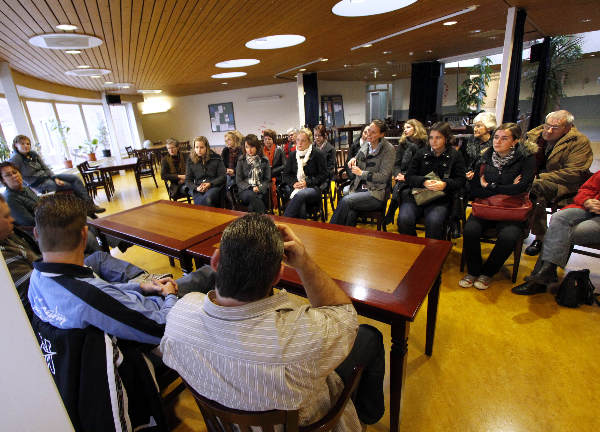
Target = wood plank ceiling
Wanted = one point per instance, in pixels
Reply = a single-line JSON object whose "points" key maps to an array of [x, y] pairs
{"points": [[173, 45]]}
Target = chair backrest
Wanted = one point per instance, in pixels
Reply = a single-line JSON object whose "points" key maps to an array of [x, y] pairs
{"points": [[219, 418], [341, 157], [129, 151]]}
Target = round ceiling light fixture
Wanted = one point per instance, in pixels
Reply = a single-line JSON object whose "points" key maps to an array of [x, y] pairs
{"points": [[65, 41], [118, 85], [67, 27], [275, 41], [88, 72], [229, 75], [72, 52], [450, 23], [237, 63], [353, 8], [149, 91]]}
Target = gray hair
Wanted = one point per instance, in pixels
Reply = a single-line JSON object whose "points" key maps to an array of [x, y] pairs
{"points": [[562, 115], [171, 141], [488, 119]]}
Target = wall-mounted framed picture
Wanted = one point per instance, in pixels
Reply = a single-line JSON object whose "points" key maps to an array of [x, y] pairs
{"points": [[221, 117]]}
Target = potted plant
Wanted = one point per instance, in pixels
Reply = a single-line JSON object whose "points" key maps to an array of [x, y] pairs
{"points": [[63, 130], [91, 146], [4, 150], [102, 135], [472, 90]]}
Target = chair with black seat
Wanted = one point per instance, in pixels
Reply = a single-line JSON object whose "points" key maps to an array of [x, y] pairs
{"points": [[219, 418], [129, 151], [377, 216], [341, 180], [314, 211], [144, 168], [239, 206], [94, 179]]}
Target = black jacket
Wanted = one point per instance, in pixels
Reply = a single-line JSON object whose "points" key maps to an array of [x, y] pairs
{"points": [[315, 170], [501, 182], [213, 172], [169, 170], [426, 161], [473, 150], [225, 157], [278, 164], [329, 157], [242, 174], [405, 151]]}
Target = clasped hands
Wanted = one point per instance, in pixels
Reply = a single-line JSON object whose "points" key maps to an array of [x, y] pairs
{"points": [[352, 165], [592, 205], [434, 185], [203, 187], [164, 287], [298, 185]]}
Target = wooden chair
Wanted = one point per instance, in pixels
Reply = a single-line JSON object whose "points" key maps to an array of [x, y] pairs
{"points": [[219, 418], [95, 179], [179, 197], [144, 168], [341, 158], [129, 151]]}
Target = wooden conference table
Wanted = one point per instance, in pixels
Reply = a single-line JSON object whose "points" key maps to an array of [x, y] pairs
{"points": [[387, 276]]}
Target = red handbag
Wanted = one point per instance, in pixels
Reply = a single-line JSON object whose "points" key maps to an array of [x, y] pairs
{"points": [[502, 207]]}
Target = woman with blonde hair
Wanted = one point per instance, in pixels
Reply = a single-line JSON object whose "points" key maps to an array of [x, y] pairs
{"points": [[205, 173], [231, 154], [413, 138]]}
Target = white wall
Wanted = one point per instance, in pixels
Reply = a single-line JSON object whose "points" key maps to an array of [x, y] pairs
{"points": [[29, 398], [354, 95], [188, 116]]}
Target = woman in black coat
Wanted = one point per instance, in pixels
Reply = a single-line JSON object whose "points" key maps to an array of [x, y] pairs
{"points": [[205, 173], [507, 168], [443, 160], [413, 139], [231, 153], [253, 175], [304, 175]]}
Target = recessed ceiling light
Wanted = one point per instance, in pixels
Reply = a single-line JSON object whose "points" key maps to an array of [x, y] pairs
{"points": [[83, 67], [237, 63], [73, 52], [224, 83], [302, 70], [149, 91], [65, 41], [367, 45], [450, 23], [429, 51], [95, 76], [67, 27], [125, 87], [229, 75], [119, 85], [347, 65], [410, 53], [394, 75], [386, 52], [108, 82], [586, 20], [275, 41], [353, 8], [87, 72], [475, 31], [492, 37], [592, 55]]}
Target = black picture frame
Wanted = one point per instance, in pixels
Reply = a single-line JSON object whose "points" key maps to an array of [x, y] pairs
{"points": [[222, 117]]}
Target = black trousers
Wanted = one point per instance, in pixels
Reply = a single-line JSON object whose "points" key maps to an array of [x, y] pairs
{"points": [[508, 234], [254, 200], [367, 351]]}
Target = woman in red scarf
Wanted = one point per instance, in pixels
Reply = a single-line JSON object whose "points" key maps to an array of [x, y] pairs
{"points": [[275, 156]]}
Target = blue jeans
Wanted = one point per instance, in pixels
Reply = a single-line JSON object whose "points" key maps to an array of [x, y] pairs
{"points": [[209, 198], [367, 351], [72, 182], [112, 269], [346, 212], [296, 208], [571, 225], [435, 218]]}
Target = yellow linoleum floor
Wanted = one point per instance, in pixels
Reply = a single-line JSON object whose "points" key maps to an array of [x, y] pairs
{"points": [[501, 362]]}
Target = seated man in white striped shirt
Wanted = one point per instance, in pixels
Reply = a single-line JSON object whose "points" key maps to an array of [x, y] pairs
{"points": [[248, 348]]}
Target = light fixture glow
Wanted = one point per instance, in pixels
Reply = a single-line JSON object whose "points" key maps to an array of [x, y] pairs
{"points": [[475, 31], [108, 82], [367, 45], [237, 63], [95, 76], [155, 105], [415, 27], [429, 51], [302, 70], [73, 52], [353, 8], [586, 20], [410, 53], [394, 75], [67, 27], [275, 41], [450, 23], [224, 83], [83, 67], [324, 59], [386, 52], [149, 91], [125, 87], [229, 75]]}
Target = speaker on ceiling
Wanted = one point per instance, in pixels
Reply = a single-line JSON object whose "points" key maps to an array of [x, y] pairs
{"points": [[536, 53], [113, 99]]}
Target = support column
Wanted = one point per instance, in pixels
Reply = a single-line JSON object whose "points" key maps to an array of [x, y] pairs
{"points": [[538, 105], [300, 86], [511, 106], [114, 145], [14, 103]]}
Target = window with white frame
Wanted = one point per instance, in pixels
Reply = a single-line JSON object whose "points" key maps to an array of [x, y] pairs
{"points": [[7, 125]]}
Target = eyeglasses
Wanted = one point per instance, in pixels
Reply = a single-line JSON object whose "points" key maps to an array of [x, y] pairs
{"points": [[551, 127]]}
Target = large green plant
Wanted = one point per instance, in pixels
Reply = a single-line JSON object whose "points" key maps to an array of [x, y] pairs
{"points": [[472, 90], [4, 150], [565, 53]]}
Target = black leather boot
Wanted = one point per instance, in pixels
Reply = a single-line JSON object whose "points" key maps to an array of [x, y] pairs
{"points": [[546, 275]]}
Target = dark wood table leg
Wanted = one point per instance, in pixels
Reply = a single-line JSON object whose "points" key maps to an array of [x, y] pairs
{"points": [[400, 330], [104, 242], [432, 307], [197, 262], [186, 264]]}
